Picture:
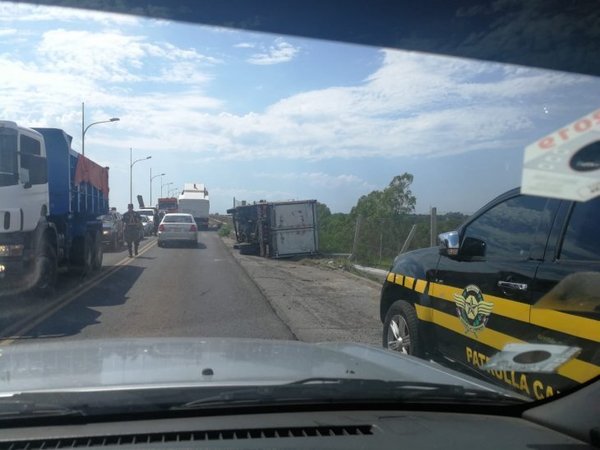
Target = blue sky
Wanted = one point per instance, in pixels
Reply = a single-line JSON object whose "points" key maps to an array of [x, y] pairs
{"points": [[257, 116]]}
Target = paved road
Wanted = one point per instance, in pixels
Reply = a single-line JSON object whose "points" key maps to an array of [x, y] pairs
{"points": [[200, 292]]}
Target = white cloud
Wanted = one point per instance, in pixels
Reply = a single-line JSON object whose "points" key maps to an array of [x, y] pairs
{"points": [[277, 53], [319, 179], [114, 57], [21, 12], [245, 45], [7, 32]]}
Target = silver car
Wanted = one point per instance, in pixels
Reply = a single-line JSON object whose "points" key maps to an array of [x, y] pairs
{"points": [[177, 227]]}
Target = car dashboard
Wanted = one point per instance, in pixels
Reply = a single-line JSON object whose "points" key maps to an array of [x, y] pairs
{"points": [[327, 429]]}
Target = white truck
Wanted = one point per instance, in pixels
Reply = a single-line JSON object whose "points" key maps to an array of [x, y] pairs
{"points": [[194, 200]]}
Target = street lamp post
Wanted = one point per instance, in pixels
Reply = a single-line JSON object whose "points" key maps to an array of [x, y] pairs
{"points": [[131, 163], [84, 128], [163, 185], [152, 178]]}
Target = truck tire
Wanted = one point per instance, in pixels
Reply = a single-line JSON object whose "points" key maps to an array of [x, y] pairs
{"points": [[249, 249], [97, 252], [401, 329], [82, 254], [47, 266]]}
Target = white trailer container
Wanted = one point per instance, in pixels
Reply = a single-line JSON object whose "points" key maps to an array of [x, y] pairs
{"points": [[293, 228], [194, 200]]}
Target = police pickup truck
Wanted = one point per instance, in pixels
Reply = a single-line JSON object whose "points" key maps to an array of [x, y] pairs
{"points": [[522, 269]]}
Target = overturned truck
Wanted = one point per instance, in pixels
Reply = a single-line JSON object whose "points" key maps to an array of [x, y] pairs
{"points": [[276, 229]]}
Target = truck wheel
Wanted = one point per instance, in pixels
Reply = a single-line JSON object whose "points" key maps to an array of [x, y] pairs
{"points": [[401, 330], [46, 264], [82, 254], [97, 252]]}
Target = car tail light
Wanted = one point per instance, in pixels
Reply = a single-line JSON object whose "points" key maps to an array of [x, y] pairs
{"points": [[193, 228], [161, 227]]}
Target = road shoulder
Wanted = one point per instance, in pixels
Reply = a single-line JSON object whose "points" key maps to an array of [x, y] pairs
{"points": [[317, 304]]}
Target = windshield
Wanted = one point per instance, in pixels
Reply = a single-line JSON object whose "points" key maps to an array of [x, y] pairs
{"points": [[377, 201], [8, 157]]}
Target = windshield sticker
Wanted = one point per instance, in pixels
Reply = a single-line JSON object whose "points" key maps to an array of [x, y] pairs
{"points": [[566, 163], [526, 383], [473, 311]]}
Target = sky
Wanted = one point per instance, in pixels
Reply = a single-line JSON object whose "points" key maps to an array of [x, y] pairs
{"points": [[266, 117]]}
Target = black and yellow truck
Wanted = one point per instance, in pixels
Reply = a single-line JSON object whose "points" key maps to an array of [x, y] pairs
{"points": [[522, 270]]}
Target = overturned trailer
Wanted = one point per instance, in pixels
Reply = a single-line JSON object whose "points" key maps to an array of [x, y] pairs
{"points": [[277, 229]]}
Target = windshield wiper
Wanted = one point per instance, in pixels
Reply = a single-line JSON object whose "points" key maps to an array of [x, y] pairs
{"points": [[19, 408], [328, 390]]}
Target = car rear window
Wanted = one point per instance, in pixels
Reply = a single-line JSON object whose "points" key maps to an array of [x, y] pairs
{"points": [[178, 219]]}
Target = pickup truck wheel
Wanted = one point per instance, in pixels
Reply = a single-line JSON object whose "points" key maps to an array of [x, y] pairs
{"points": [[46, 264], [97, 252], [400, 330]]}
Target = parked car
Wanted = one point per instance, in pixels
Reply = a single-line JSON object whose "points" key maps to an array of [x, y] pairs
{"points": [[523, 269], [177, 227], [112, 230]]}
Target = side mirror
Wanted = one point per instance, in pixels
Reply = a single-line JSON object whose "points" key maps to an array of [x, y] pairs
{"points": [[448, 243]]}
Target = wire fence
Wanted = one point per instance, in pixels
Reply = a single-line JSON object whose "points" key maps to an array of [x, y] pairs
{"points": [[376, 241]]}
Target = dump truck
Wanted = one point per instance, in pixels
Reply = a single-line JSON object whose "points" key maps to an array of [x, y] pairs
{"points": [[51, 198]]}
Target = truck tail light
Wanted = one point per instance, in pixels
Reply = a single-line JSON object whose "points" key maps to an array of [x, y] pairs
{"points": [[193, 228], [161, 227]]}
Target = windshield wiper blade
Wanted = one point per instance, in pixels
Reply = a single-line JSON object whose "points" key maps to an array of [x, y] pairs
{"points": [[411, 390], [18, 408], [327, 390]]}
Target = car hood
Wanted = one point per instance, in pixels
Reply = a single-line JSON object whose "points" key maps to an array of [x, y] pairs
{"points": [[113, 364]]}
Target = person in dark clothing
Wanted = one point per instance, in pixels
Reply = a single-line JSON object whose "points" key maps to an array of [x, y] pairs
{"points": [[156, 222], [133, 222]]}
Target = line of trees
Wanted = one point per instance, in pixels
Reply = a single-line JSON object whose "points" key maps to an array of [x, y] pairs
{"points": [[384, 221]]}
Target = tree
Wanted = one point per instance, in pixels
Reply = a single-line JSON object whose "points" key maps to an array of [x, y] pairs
{"points": [[395, 200]]}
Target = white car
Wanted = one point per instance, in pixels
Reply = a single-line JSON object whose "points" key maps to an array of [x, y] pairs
{"points": [[177, 227]]}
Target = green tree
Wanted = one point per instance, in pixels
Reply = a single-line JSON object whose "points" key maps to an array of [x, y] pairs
{"points": [[395, 200]]}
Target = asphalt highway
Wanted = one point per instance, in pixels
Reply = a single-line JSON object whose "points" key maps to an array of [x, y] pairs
{"points": [[176, 291]]}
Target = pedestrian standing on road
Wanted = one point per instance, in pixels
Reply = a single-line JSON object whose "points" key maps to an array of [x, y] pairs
{"points": [[156, 222], [133, 222]]}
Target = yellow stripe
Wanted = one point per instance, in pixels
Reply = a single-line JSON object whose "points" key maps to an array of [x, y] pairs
{"points": [[424, 312], [502, 307], [390, 277], [399, 279], [566, 323], [420, 286], [553, 320], [575, 369]]}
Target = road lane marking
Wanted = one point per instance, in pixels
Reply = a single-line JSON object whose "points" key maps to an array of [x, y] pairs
{"points": [[28, 323]]}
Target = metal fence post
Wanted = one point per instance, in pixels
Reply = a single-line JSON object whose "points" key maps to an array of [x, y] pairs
{"points": [[433, 227]]}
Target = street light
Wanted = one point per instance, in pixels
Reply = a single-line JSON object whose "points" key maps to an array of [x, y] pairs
{"points": [[131, 163], [163, 185], [84, 130], [152, 178]]}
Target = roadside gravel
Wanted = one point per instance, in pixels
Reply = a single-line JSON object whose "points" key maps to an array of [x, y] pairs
{"points": [[318, 302]]}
